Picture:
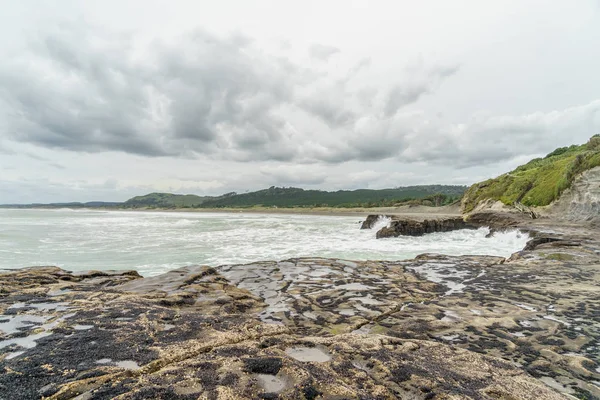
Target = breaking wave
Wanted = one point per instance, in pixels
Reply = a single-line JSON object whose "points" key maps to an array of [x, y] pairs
{"points": [[154, 242]]}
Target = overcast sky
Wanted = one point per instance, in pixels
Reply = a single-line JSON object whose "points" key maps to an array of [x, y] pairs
{"points": [[103, 100]]}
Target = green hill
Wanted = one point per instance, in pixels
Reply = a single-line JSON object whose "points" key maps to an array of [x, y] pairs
{"points": [[540, 181], [165, 200], [296, 197], [434, 195]]}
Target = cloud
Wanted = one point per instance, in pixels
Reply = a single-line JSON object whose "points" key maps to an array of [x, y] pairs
{"points": [[402, 95], [322, 52], [85, 89], [491, 139], [293, 175], [223, 98]]}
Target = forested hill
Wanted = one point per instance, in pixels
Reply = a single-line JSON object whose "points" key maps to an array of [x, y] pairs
{"points": [[431, 195], [434, 195]]}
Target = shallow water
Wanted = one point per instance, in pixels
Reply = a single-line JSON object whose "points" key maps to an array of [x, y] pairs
{"points": [[154, 242], [308, 354]]}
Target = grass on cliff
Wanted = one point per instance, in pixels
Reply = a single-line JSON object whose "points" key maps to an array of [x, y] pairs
{"points": [[540, 181]]}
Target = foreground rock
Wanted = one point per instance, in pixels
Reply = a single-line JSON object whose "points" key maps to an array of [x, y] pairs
{"points": [[435, 327]]}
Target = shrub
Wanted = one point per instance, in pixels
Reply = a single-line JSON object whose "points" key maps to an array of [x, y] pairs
{"points": [[594, 143]]}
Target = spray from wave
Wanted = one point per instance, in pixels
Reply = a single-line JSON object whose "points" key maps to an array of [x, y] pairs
{"points": [[382, 222]]}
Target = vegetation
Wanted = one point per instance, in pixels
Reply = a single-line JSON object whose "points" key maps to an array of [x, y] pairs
{"points": [[90, 204], [165, 200], [432, 195], [540, 181], [435, 195]]}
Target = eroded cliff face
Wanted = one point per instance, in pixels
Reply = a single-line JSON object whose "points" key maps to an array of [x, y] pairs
{"points": [[436, 327], [582, 201]]}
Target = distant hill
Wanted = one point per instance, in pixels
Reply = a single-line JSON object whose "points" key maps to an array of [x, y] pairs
{"points": [[296, 197], [89, 204], [165, 200], [540, 181], [431, 195]]}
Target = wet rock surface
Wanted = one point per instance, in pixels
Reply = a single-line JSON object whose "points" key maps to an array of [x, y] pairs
{"points": [[408, 226], [436, 327]]}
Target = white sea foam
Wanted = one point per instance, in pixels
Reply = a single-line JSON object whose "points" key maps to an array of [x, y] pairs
{"points": [[382, 222], [154, 242]]}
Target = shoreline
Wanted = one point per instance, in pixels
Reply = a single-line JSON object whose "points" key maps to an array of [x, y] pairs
{"points": [[434, 315], [418, 212]]}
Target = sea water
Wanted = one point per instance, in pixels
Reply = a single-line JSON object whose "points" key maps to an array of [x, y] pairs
{"points": [[155, 242]]}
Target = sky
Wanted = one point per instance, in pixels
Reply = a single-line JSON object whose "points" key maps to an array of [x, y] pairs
{"points": [[112, 99]]}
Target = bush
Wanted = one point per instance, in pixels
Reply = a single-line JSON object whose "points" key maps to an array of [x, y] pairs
{"points": [[594, 143]]}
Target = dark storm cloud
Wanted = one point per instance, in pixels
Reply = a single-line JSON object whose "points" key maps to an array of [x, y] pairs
{"points": [[322, 52]]}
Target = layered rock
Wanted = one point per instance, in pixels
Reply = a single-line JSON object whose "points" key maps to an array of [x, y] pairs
{"points": [[581, 202]]}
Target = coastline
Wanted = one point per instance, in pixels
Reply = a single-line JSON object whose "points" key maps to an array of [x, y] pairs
{"points": [[415, 212], [439, 318]]}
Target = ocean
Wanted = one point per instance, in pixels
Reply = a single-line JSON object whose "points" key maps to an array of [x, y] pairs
{"points": [[155, 242]]}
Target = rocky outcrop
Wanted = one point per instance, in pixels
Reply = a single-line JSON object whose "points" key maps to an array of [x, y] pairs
{"points": [[581, 202], [401, 226], [407, 227]]}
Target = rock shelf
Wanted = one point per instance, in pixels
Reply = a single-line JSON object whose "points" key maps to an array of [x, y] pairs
{"points": [[435, 327]]}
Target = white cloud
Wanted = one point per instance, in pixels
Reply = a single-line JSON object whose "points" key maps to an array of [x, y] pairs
{"points": [[195, 98]]}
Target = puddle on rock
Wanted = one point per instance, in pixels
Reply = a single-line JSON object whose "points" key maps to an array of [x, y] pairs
{"points": [[363, 330], [450, 338], [526, 307], [308, 354], [358, 287], [27, 342], [551, 318], [444, 274], [61, 306], [450, 316], [59, 292], [369, 300], [15, 323], [127, 364], [82, 327], [271, 383], [14, 354]]}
